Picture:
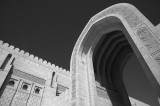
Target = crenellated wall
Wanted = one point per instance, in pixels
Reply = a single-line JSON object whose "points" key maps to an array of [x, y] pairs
{"points": [[31, 59], [28, 80]]}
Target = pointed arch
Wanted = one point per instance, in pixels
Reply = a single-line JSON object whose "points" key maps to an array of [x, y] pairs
{"points": [[123, 25]]}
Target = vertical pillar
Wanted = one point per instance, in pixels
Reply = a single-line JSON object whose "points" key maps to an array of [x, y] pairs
{"points": [[91, 78], [49, 92], [80, 86]]}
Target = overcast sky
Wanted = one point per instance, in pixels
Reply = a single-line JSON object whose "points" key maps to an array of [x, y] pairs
{"points": [[49, 29]]}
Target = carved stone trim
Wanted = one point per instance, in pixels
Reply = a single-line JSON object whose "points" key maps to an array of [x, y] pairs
{"points": [[125, 11], [147, 38]]}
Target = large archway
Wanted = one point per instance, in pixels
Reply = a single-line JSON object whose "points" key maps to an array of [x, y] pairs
{"points": [[101, 53], [109, 58]]}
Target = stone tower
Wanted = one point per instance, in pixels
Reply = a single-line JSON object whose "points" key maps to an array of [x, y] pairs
{"points": [[95, 77]]}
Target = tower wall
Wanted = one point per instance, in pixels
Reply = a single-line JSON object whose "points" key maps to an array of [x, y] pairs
{"points": [[26, 80]]}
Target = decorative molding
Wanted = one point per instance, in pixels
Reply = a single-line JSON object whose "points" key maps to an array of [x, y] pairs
{"points": [[29, 77], [150, 42], [127, 11]]}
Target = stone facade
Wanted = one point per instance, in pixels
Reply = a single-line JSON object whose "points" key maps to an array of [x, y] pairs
{"points": [[26, 80], [141, 34]]}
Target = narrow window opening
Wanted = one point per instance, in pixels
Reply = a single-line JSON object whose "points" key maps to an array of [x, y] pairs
{"points": [[60, 89], [6, 61], [52, 81]]}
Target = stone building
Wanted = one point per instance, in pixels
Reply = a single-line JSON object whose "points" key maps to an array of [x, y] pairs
{"points": [[109, 39]]}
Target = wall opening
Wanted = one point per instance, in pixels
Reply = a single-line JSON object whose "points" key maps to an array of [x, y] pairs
{"points": [[110, 56], [6, 61]]}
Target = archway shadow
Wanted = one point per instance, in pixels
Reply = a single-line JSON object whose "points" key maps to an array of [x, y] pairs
{"points": [[109, 58]]}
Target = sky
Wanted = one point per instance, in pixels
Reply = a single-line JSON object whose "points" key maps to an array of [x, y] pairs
{"points": [[49, 28]]}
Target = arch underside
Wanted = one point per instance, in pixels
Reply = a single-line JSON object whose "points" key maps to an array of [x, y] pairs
{"points": [[109, 59]]}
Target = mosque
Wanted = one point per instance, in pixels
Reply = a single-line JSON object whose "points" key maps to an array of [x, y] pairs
{"points": [[99, 56]]}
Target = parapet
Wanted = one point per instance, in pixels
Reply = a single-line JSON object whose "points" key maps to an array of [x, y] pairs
{"points": [[16, 51]]}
